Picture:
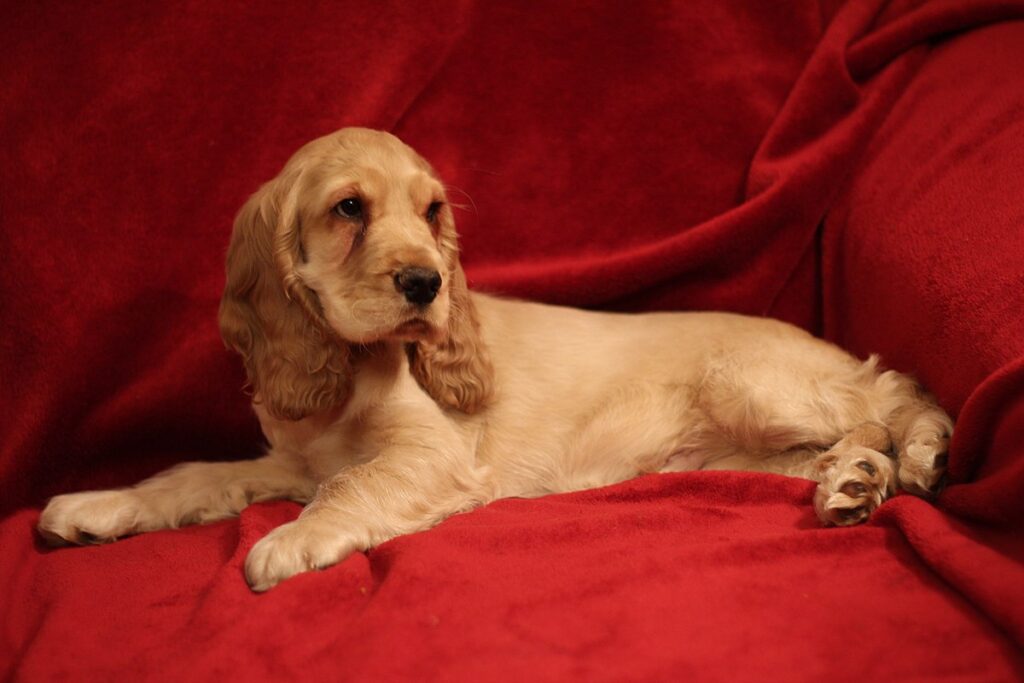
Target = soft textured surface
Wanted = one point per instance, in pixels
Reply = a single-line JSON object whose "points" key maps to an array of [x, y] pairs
{"points": [[854, 168]]}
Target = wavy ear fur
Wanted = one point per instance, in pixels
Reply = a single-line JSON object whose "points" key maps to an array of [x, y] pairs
{"points": [[456, 372], [295, 364]]}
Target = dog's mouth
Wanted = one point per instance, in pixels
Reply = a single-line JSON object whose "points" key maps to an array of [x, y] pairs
{"points": [[414, 326]]}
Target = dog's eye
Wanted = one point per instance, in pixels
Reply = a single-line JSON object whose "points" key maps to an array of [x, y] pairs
{"points": [[349, 208], [433, 210]]}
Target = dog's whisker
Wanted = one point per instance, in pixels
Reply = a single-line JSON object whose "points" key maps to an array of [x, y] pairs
{"points": [[464, 207]]}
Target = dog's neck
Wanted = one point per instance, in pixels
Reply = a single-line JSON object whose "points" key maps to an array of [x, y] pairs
{"points": [[377, 369], [379, 358]]}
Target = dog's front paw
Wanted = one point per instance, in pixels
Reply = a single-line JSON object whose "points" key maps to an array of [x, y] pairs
{"points": [[854, 481], [296, 547], [89, 517]]}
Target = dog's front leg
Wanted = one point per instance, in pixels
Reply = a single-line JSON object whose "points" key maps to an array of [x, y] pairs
{"points": [[194, 492], [407, 488]]}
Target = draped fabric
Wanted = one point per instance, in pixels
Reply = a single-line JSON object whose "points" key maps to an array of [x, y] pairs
{"points": [[855, 168]]}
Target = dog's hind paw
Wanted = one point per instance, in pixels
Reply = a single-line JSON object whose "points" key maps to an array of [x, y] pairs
{"points": [[853, 481], [922, 464]]}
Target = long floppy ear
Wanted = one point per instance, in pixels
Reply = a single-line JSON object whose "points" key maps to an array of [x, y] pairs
{"points": [[295, 364], [456, 372]]}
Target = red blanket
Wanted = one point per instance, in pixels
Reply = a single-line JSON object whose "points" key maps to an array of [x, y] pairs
{"points": [[854, 168]]}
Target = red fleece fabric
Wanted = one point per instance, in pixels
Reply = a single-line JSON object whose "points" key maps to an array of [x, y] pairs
{"points": [[853, 168]]}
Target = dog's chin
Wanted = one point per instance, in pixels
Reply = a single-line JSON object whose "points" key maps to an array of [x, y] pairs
{"points": [[416, 330]]}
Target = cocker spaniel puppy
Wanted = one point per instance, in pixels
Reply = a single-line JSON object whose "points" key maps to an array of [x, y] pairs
{"points": [[393, 397]]}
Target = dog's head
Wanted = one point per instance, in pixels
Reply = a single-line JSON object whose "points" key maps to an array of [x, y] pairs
{"points": [[352, 243]]}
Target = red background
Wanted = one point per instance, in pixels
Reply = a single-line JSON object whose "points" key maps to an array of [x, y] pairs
{"points": [[854, 168]]}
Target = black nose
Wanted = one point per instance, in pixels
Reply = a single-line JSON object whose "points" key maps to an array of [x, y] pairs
{"points": [[419, 285]]}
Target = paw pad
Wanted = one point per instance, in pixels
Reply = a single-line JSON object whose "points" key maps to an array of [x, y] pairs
{"points": [[85, 537], [867, 467], [854, 489], [856, 482], [852, 515]]}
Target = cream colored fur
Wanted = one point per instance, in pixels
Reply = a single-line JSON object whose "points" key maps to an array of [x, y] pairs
{"points": [[386, 416]]}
